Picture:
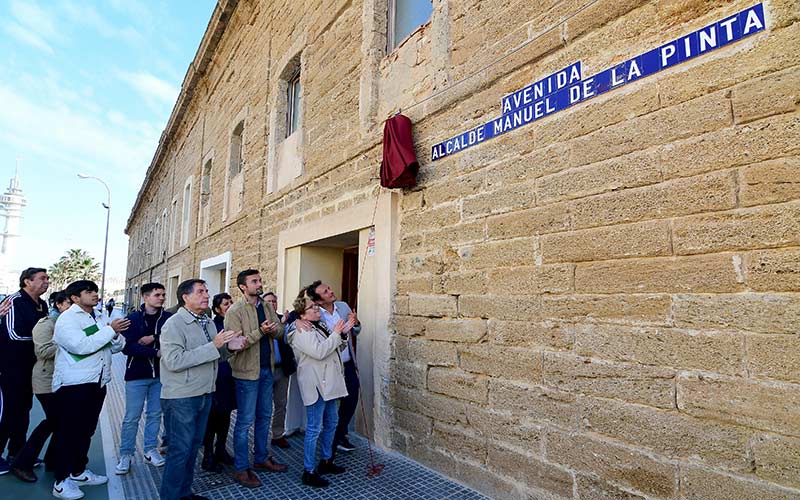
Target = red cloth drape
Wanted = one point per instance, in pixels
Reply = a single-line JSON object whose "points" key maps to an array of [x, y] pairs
{"points": [[399, 166]]}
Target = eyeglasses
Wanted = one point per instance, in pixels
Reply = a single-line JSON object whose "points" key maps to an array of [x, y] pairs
{"points": [[313, 306]]}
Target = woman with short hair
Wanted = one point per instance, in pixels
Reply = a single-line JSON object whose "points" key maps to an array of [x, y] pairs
{"points": [[320, 375]]}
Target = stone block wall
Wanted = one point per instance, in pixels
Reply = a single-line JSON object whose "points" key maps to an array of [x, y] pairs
{"points": [[603, 304]]}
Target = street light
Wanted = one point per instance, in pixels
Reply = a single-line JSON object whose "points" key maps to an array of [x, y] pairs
{"points": [[107, 206]]}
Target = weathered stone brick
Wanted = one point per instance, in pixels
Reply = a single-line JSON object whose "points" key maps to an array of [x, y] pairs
{"points": [[589, 487], [417, 284], [529, 222], [755, 142], [669, 433], [410, 374], [415, 350], [540, 404], [501, 200], [518, 252], [773, 270], [449, 190], [409, 326], [531, 279], [417, 425], [499, 307], [420, 263], [435, 406], [638, 384], [510, 430], [770, 95], [613, 463], [770, 406], [697, 482], [530, 334], [719, 352], [700, 115], [530, 470], [412, 200], [608, 175], [646, 239], [400, 306], [505, 362], [777, 459], [715, 191], [773, 356], [762, 313], [432, 218], [456, 330], [772, 181], [707, 273], [467, 232], [467, 282], [432, 305], [459, 441], [760, 227], [630, 309], [457, 384]]}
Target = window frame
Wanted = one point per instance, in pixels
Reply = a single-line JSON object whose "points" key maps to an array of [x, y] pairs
{"points": [[294, 90], [391, 42]]}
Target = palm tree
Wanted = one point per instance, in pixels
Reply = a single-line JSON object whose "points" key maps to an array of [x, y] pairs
{"points": [[74, 265]]}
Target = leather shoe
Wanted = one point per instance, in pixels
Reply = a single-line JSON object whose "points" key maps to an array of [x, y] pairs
{"points": [[281, 442], [328, 467], [24, 474], [247, 478], [313, 479], [270, 465]]}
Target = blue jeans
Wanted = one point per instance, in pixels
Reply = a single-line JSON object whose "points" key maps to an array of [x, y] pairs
{"points": [[322, 414], [187, 419], [136, 392], [254, 405]]}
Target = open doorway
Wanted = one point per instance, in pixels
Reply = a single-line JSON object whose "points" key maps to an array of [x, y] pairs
{"points": [[215, 271]]}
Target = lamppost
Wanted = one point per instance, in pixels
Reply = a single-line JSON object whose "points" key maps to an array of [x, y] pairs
{"points": [[107, 206]]}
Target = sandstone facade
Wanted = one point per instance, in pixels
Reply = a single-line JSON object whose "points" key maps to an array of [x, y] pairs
{"points": [[603, 304]]}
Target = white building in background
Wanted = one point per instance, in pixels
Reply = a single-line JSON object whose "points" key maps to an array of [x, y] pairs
{"points": [[11, 204]]}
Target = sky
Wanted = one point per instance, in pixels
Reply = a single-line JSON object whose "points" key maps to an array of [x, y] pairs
{"points": [[87, 87]]}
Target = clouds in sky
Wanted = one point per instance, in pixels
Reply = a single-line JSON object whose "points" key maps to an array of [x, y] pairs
{"points": [[31, 25], [150, 86]]}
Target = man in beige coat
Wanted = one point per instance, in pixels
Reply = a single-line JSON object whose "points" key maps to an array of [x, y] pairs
{"points": [[253, 374]]}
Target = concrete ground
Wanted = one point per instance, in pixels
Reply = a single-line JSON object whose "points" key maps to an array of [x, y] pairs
{"points": [[401, 478]]}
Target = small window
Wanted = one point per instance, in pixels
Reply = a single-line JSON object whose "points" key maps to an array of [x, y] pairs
{"points": [[237, 149], [186, 215], [405, 16], [294, 99]]}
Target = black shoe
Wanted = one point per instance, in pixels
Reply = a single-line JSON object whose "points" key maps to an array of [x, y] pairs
{"points": [[24, 474], [209, 464], [314, 480], [328, 467], [345, 445]]}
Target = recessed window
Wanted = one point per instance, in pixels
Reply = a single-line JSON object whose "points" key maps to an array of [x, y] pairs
{"points": [[405, 16], [237, 149], [294, 99], [187, 212]]}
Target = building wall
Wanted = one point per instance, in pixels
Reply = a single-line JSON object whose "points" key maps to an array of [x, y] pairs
{"points": [[603, 304]]}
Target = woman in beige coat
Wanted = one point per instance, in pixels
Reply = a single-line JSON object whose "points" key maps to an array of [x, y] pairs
{"points": [[320, 375], [42, 382]]}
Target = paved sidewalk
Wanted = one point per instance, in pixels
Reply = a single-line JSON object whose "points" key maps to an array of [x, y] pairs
{"points": [[401, 479]]}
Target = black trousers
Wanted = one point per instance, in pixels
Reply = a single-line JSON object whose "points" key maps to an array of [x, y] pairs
{"points": [[347, 405], [15, 382], [33, 446], [78, 408], [218, 424]]}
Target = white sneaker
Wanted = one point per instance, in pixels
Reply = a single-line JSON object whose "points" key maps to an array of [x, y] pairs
{"points": [[124, 465], [88, 478], [154, 458], [67, 489]]}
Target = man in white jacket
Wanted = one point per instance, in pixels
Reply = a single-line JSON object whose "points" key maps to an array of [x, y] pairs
{"points": [[82, 370]]}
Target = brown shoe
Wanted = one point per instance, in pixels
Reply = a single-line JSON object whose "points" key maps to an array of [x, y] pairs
{"points": [[281, 442], [246, 478], [26, 475], [270, 465]]}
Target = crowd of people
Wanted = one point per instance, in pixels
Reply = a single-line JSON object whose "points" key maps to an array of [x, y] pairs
{"points": [[184, 369]]}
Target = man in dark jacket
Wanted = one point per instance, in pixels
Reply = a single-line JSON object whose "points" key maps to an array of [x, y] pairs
{"points": [[142, 377], [285, 366], [17, 358]]}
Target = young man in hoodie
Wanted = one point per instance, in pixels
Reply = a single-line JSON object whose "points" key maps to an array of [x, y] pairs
{"points": [[82, 371], [142, 383]]}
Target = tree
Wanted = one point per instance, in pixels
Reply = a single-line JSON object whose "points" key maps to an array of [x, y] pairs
{"points": [[74, 265]]}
